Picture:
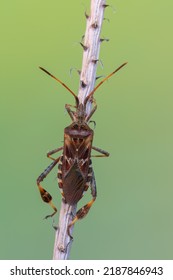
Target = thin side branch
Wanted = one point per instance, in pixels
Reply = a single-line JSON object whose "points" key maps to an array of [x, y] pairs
{"points": [[91, 47]]}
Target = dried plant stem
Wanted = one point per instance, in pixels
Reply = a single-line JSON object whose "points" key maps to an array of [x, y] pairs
{"points": [[62, 240], [91, 47]]}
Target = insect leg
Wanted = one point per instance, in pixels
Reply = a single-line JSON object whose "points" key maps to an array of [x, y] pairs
{"points": [[82, 212], [92, 111], [70, 112], [102, 152], [53, 152], [46, 197]]}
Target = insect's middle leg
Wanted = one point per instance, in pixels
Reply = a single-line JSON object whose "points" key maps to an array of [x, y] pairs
{"points": [[102, 152], [46, 197], [82, 212], [53, 152]]}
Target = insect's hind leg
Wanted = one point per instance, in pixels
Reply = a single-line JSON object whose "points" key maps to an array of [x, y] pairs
{"points": [[46, 197], [82, 212]]}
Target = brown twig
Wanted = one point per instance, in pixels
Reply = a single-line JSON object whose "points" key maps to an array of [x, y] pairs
{"points": [[91, 47]]}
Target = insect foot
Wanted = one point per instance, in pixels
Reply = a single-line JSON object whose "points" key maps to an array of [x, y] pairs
{"points": [[51, 215]]}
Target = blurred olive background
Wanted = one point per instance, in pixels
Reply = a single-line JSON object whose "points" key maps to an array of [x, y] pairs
{"points": [[132, 216]]}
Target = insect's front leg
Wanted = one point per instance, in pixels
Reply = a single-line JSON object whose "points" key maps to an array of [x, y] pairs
{"points": [[46, 197], [102, 152], [70, 112], [53, 152], [82, 212], [92, 111]]}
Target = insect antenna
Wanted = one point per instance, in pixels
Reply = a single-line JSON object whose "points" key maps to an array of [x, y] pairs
{"points": [[64, 85], [106, 78]]}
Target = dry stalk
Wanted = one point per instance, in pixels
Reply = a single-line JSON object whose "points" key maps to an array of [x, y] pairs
{"points": [[91, 47]]}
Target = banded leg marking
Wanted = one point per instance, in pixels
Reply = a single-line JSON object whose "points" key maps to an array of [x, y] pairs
{"points": [[59, 175]]}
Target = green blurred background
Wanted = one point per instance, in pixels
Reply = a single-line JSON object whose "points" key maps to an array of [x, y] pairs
{"points": [[132, 216]]}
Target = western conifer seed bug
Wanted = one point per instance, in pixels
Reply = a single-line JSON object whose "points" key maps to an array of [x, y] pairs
{"points": [[75, 172]]}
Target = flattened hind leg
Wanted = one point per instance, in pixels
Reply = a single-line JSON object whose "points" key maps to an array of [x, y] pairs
{"points": [[46, 197], [82, 212]]}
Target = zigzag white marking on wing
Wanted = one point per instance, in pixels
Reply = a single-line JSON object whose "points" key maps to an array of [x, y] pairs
{"points": [[71, 161]]}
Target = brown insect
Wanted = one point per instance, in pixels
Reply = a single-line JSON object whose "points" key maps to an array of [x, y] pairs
{"points": [[75, 172]]}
